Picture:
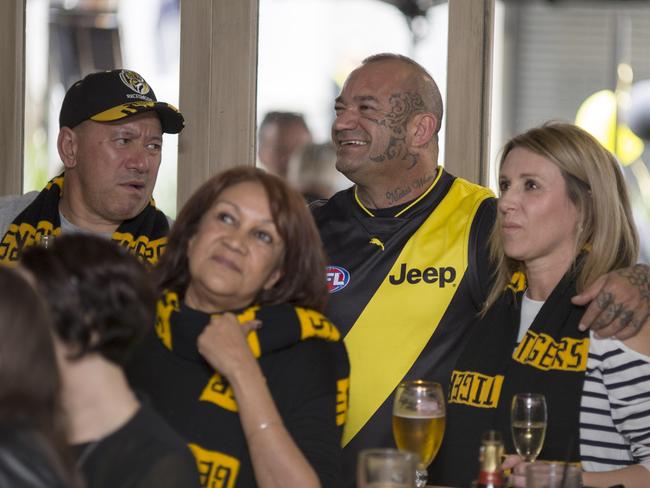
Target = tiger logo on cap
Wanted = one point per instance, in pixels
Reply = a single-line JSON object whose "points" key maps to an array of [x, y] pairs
{"points": [[134, 81]]}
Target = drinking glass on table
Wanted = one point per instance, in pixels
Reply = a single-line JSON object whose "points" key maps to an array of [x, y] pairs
{"points": [[419, 422], [553, 475], [528, 423], [385, 468]]}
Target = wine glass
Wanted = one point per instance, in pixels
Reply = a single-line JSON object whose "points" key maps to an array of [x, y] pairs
{"points": [[419, 422], [528, 422], [385, 468]]}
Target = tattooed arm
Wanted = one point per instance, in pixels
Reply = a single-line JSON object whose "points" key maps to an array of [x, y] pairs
{"points": [[620, 302]]}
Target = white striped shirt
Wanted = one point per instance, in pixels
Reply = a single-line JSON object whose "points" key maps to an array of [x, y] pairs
{"points": [[615, 407]]}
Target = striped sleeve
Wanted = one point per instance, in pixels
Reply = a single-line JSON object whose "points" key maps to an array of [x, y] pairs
{"points": [[615, 407]]}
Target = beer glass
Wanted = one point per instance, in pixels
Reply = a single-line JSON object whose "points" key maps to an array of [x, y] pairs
{"points": [[419, 422], [528, 423], [385, 468]]}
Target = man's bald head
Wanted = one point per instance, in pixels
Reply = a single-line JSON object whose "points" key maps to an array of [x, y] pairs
{"points": [[417, 80]]}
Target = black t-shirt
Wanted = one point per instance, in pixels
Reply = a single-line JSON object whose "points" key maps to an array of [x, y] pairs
{"points": [[144, 453]]}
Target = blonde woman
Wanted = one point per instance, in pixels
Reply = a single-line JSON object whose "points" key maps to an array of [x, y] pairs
{"points": [[564, 219]]}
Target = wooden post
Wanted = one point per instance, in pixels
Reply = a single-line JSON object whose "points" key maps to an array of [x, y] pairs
{"points": [[218, 89], [469, 82], [12, 97]]}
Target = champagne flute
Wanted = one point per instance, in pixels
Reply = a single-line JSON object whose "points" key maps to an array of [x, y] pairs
{"points": [[419, 422], [528, 422]]}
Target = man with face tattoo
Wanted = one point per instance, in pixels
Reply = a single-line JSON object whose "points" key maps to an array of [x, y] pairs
{"points": [[407, 247]]}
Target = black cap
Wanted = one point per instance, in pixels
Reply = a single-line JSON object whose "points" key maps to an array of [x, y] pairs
{"points": [[113, 95]]}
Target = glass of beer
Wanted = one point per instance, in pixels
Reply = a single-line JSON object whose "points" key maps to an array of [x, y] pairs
{"points": [[419, 422], [385, 468], [528, 423]]}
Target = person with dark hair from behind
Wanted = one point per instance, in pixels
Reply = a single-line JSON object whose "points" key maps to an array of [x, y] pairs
{"points": [[280, 136], [102, 303], [32, 441], [260, 406]]}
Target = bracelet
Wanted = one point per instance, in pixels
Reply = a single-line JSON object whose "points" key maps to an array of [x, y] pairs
{"points": [[266, 425], [262, 426]]}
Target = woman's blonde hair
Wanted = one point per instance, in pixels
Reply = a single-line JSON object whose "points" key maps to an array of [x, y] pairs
{"points": [[595, 185]]}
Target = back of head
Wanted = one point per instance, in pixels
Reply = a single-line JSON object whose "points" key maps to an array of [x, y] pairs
{"points": [[303, 264], [29, 379], [100, 296], [313, 171], [281, 134], [596, 186]]}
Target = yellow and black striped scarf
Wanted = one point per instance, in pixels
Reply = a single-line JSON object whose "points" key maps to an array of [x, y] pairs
{"points": [[209, 420], [551, 359], [178, 329], [145, 235]]}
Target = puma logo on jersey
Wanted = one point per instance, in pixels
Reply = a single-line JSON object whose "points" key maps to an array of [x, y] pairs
{"points": [[442, 275]]}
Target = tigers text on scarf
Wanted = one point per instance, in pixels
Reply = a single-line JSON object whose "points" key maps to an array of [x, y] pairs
{"points": [[145, 235], [551, 359]]}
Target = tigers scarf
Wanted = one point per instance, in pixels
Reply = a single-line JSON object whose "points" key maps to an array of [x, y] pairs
{"points": [[145, 235], [551, 359], [215, 409]]}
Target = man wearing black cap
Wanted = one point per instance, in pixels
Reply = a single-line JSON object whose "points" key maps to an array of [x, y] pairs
{"points": [[110, 142]]}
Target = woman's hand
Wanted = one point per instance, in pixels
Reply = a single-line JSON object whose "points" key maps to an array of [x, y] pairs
{"points": [[518, 474], [223, 344]]}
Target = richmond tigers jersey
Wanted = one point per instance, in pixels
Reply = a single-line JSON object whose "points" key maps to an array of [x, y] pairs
{"points": [[405, 284]]}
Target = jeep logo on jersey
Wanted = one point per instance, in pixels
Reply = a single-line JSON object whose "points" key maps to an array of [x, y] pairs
{"points": [[442, 275], [337, 278]]}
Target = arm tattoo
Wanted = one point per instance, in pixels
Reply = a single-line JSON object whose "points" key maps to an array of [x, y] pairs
{"points": [[639, 276]]}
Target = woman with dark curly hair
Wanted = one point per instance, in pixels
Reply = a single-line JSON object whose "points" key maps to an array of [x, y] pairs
{"points": [[262, 403], [32, 440], [102, 302]]}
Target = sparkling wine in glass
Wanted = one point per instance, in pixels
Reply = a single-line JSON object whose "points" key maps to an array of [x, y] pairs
{"points": [[419, 422], [528, 423]]}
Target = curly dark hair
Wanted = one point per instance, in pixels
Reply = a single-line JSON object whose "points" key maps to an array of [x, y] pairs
{"points": [[101, 297], [303, 264]]}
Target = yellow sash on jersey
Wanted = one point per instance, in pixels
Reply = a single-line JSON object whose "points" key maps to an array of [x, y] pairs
{"points": [[398, 321]]}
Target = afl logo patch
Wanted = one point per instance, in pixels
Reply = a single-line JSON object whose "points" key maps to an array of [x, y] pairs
{"points": [[337, 278], [134, 81]]}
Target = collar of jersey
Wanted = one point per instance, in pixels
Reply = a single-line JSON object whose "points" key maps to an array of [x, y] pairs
{"points": [[439, 172]]}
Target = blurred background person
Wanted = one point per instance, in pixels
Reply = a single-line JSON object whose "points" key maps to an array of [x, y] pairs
{"points": [[261, 409], [102, 302], [312, 171], [32, 439], [280, 135]]}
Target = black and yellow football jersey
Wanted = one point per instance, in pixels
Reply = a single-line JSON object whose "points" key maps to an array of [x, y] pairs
{"points": [[406, 283]]}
